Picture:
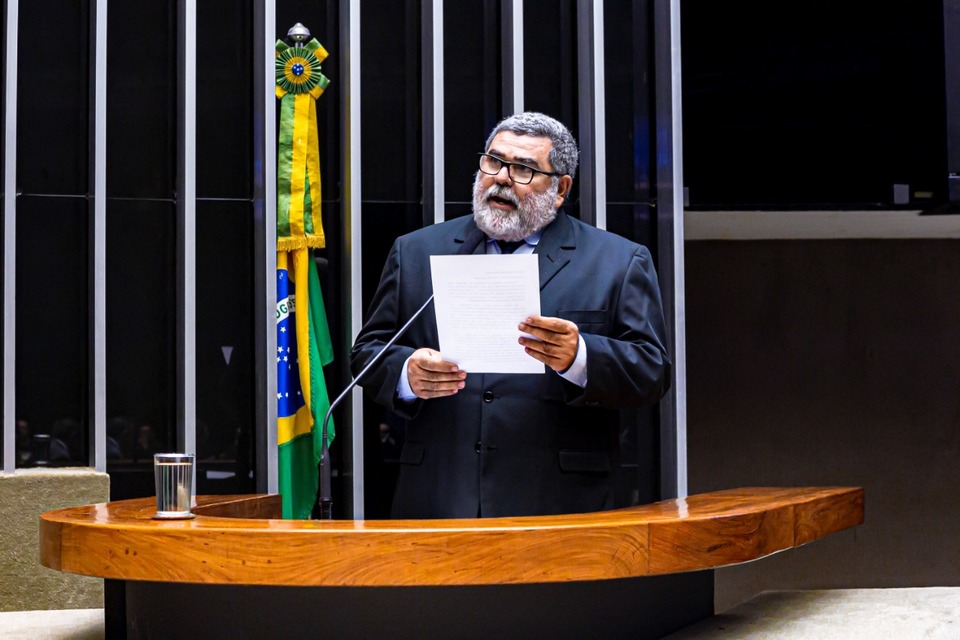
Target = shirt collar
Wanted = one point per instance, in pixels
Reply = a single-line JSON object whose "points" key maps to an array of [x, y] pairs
{"points": [[533, 239]]}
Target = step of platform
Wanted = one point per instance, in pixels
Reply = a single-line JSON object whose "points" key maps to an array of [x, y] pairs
{"points": [[59, 624], [931, 613]]}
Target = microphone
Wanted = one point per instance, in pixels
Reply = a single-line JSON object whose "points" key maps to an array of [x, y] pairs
{"points": [[325, 501]]}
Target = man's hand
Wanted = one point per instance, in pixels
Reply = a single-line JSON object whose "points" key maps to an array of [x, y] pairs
{"points": [[556, 344], [431, 376]]}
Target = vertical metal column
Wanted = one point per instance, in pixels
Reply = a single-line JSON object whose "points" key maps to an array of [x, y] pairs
{"points": [[97, 279], [10, 237], [186, 225], [512, 36], [434, 198], [669, 142], [951, 60], [352, 217], [265, 244], [593, 149]]}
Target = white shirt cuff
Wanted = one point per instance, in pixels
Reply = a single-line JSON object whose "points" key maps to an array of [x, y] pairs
{"points": [[577, 373], [404, 392]]}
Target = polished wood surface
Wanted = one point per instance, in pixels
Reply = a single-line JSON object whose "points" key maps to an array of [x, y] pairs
{"points": [[237, 540]]}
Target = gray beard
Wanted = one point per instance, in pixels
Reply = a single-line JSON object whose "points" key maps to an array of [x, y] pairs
{"points": [[533, 212]]}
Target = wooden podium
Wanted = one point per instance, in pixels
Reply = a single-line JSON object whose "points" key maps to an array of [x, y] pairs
{"points": [[236, 571]]}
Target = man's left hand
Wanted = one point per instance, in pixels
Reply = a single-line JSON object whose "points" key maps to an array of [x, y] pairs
{"points": [[556, 341]]}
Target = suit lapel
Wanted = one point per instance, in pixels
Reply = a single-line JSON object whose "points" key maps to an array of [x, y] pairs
{"points": [[555, 244], [470, 239]]}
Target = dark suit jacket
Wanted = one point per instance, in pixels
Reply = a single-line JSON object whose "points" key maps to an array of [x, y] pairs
{"points": [[521, 444]]}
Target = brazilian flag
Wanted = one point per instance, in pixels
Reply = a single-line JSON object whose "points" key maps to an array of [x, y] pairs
{"points": [[303, 349], [303, 337]]}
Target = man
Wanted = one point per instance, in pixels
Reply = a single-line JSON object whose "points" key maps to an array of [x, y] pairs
{"points": [[500, 445]]}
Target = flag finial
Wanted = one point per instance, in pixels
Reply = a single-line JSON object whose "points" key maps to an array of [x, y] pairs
{"points": [[299, 34]]}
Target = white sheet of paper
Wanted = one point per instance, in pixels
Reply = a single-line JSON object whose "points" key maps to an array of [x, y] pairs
{"points": [[479, 300]]}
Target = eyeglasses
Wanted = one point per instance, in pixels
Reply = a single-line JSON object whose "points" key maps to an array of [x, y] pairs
{"points": [[519, 173]]}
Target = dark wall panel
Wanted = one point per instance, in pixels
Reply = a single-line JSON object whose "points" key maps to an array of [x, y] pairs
{"points": [[52, 97], [550, 69], [831, 363], [51, 321], [141, 99], [141, 331], [225, 99], [472, 95], [826, 104]]}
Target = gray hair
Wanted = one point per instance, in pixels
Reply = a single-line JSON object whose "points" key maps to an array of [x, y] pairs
{"points": [[563, 153]]}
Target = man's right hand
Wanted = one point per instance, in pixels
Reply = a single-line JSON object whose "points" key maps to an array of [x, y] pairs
{"points": [[431, 376]]}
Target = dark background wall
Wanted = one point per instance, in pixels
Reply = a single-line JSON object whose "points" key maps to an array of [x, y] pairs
{"points": [[819, 104], [831, 362]]}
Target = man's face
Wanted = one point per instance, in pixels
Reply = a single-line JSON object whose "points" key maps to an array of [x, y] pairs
{"points": [[505, 210]]}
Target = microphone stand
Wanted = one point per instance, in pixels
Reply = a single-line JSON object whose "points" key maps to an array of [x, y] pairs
{"points": [[473, 240], [325, 501]]}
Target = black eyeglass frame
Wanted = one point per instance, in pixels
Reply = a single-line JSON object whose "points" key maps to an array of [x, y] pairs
{"points": [[509, 165]]}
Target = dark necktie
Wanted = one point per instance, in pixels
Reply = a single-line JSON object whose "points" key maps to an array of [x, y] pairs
{"points": [[509, 247]]}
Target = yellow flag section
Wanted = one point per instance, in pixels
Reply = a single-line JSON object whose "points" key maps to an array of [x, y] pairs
{"points": [[299, 84], [303, 348]]}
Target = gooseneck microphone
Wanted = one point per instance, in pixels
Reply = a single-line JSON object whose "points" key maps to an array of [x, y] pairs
{"points": [[324, 501]]}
